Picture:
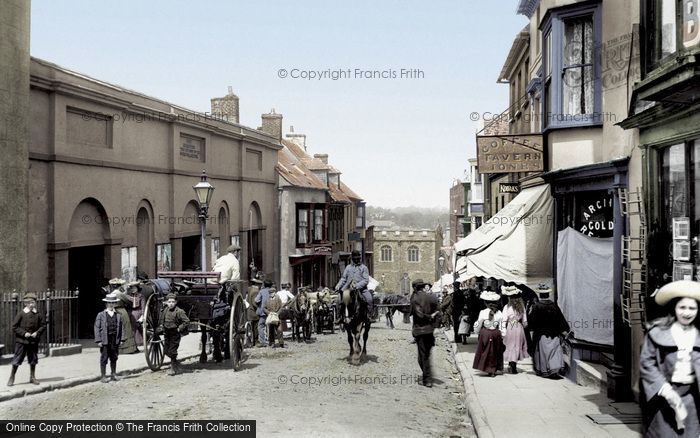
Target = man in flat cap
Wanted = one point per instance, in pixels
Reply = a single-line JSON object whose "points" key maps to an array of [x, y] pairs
{"points": [[28, 326], [424, 309], [355, 276], [228, 265]]}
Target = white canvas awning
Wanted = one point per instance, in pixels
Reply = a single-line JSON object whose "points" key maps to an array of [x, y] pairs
{"points": [[514, 245]]}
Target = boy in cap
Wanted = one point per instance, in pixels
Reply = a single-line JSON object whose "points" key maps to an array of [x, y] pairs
{"points": [[108, 336], [173, 324], [28, 326]]}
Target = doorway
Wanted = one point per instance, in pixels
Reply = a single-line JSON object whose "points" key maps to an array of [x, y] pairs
{"points": [[190, 253], [86, 273]]}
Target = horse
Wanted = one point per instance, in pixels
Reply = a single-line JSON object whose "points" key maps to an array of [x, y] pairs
{"points": [[395, 303], [301, 319], [356, 323]]}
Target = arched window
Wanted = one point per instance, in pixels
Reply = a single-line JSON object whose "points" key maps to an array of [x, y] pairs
{"points": [[413, 254], [386, 253]]}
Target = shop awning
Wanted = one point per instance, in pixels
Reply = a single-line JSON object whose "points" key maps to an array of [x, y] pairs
{"points": [[514, 245]]}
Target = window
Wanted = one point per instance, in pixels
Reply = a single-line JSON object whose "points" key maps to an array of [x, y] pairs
{"points": [[302, 226], [386, 255], [570, 51], [413, 254], [360, 218], [311, 224], [673, 25]]}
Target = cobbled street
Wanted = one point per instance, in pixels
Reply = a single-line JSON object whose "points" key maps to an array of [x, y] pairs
{"points": [[301, 390]]}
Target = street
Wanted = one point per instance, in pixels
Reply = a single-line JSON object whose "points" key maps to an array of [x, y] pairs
{"points": [[301, 390]]}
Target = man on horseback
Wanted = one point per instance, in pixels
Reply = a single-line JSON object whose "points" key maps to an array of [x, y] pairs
{"points": [[356, 276]]}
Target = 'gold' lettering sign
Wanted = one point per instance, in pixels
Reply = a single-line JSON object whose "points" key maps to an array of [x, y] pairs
{"points": [[509, 153]]}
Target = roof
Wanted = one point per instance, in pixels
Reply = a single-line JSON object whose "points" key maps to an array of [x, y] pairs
{"points": [[337, 195], [352, 195], [293, 170], [520, 44]]}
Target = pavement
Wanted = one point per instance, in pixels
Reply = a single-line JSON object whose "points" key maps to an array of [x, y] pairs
{"points": [[526, 405], [59, 372]]}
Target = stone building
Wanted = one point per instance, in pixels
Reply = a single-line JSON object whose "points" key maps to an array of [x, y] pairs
{"points": [[111, 173], [402, 251]]}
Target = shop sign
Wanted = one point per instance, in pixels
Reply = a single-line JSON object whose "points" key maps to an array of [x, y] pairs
{"points": [[513, 188], [509, 153], [596, 217]]}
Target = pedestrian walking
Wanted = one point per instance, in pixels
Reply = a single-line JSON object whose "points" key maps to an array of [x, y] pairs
{"points": [[273, 323], [260, 301], [549, 328], [28, 326], [424, 309], [670, 364], [489, 347], [135, 306], [251, 314], [514, 323], [122, 306], [458, 302], [108, 336], [173, 324]]}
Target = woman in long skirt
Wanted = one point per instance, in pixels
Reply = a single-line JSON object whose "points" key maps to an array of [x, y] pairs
{"points": [[514, 323], [129, 345], [136, 312], [489, 348], [670, 365]]}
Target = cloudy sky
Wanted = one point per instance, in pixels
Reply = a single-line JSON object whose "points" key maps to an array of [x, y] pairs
{"points": [[398, 141]]}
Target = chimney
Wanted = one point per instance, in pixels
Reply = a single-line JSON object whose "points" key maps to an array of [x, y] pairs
{"points": [[298, 139], [272, 124], [225, 108], [322, 157]]}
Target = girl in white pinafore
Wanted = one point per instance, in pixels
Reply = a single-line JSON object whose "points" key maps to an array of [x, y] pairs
{"points": [[513, 328]]}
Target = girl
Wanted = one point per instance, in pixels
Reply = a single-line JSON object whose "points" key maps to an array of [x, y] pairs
{"points": [[489, 348], [514, 323]]}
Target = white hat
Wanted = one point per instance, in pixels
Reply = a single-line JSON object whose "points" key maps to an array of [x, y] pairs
{"points": [[117, 281], [678, 289], [510, 290], [489, 296], [110, 298]]}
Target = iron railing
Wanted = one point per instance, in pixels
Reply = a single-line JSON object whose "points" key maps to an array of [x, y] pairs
{"points": [[60, 307]]}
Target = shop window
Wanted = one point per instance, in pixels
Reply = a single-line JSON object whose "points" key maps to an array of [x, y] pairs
{"points": [[311, 224], [386, 255], [674, 252], [413, 254], [572, 63]]}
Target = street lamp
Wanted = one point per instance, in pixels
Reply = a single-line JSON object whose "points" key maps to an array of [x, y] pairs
{"points": [[203, 190], [441, 261]]}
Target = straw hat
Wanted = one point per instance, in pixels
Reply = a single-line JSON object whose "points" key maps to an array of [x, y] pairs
{"points": [[110, 298], [678, 289], [489, 296], [543, 289], [117, 281], [510, 290]]}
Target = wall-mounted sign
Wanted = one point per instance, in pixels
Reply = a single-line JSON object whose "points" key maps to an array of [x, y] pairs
{"points": [[509, 188], [323, 250], [509, 153], [595, 215], [191, 148]]}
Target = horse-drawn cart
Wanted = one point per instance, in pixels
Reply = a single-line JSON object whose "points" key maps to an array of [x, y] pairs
{"points": [[208, 306]]}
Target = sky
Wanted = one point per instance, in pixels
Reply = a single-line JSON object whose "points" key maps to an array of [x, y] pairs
{"points": [[398, 141]]}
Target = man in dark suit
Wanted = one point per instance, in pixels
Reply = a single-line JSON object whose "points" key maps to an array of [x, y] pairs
{"points": [[424, 308]]}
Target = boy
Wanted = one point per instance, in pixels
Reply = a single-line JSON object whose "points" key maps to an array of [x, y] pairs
{"points": [[108, 336], [173, 324], [28, 326]]}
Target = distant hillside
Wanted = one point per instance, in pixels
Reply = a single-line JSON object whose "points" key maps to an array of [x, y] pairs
{"points": [[410, 217]]}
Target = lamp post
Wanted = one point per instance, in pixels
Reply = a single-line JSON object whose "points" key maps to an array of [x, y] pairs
{"points": [[204, 191], [441, 262]]}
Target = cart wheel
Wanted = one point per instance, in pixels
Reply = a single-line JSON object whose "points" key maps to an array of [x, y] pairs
{"points": [[237, 330], [153, 343]]}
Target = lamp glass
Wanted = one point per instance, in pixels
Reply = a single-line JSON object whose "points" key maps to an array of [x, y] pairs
{"points": [[204, 192]]}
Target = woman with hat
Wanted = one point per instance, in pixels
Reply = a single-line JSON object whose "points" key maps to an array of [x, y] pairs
{"points": [[514, 323], [28, 326], [548, 326], [108, 336], [123, 302], [670, 364], [489, 348]]}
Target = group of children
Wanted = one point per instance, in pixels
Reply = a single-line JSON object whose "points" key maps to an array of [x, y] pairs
{"points": [[30, 324]]}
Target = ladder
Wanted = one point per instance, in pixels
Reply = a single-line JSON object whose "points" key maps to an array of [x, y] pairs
{"points": [[634, 259]]}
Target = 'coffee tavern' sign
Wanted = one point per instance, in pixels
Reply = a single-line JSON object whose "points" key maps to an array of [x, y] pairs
{"points": [[509, 153]]}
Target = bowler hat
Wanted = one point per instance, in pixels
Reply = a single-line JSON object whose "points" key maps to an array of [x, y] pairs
{"points": [[419, 283], [678, 289]]}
